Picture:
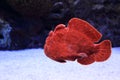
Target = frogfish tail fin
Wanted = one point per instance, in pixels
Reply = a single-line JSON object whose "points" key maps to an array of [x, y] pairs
{"points": [[103, 51]]}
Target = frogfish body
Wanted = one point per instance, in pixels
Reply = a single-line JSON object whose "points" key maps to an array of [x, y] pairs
{"points": [[77, 41]]}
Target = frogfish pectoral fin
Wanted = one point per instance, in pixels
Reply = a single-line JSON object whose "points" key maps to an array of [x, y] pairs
{"points": [[86, 60], [104, 51], [82, 55], [74, 56]]}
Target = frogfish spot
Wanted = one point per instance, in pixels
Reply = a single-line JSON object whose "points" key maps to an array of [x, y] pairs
{"points": [[78, 41]]}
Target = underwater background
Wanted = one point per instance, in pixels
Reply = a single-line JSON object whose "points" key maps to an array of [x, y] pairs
{"points": [[26, 23]]}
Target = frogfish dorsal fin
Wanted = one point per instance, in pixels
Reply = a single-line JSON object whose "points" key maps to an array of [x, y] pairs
{"points": [[85, 28], [59, 27]]}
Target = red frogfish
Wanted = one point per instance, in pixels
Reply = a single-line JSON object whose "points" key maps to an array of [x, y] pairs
{"points": [[78, 41]]}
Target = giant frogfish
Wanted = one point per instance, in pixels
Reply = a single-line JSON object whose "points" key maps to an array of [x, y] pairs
{"points": [[78, 41]]}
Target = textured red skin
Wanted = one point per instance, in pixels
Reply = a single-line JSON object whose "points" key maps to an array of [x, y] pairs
{"points": [[76, 41]]}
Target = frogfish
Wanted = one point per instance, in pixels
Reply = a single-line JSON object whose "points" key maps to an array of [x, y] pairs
{"points": [[78, 41]]}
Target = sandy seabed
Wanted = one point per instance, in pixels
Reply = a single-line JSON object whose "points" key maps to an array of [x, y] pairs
{"points": [[32, 64]]}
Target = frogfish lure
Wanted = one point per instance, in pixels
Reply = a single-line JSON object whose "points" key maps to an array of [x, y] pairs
{"points": [[77, 41]]}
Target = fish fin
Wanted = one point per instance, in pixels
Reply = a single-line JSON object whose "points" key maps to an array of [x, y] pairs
{"points": [[85, 28], [59, 27], [82, 55], [86, 60], [60, 60], [104, 51], [50, 33]]}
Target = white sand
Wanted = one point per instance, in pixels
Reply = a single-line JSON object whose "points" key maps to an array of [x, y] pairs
{"points": [[34, 65]]}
